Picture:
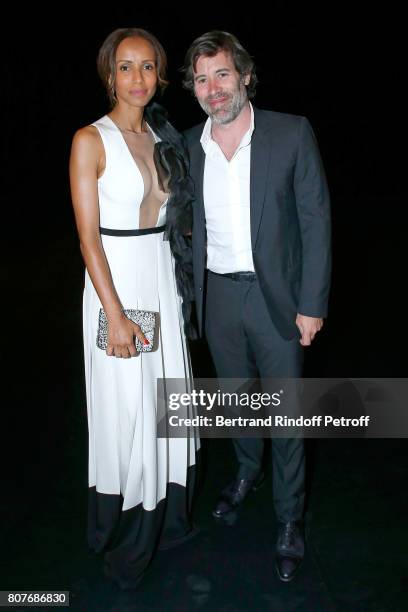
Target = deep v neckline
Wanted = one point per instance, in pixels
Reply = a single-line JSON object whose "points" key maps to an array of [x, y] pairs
{"points": [[135, 162], [130, 152]]}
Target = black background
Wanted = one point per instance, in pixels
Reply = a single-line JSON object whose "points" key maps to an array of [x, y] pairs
{"points": [[338, 67]]}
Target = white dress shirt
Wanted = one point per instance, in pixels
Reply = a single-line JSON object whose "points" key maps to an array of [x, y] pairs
{"points": [[227, 204]]}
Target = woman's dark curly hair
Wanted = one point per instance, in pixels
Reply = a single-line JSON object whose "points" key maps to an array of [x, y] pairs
{"points": [[210, 44]]}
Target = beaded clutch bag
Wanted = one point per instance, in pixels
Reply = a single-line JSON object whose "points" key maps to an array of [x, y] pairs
{"points": [[144, 318]]}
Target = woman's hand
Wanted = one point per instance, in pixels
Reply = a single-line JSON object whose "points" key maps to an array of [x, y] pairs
{"points": [[121, 334]]}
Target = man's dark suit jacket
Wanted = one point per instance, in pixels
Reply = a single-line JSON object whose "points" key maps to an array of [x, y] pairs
{"points": [[290, 219]]}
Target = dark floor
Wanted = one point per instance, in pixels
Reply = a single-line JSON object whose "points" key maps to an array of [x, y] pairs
{"points": [[357, 539]]}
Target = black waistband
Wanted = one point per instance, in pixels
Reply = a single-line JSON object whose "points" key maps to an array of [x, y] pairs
{"points": [[237, 276], [134, 232]]}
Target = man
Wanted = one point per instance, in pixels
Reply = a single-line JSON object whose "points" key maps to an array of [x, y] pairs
{"points": [[261, 254]]}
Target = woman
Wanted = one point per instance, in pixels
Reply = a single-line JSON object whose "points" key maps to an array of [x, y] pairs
{"points": [[128, 179]]}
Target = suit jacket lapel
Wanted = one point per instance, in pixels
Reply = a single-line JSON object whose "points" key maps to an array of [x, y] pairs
{"points": [[197, 161], [260, 156]]}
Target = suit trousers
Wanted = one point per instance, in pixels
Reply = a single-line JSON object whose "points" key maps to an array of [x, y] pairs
{"points": [[244, 343]]}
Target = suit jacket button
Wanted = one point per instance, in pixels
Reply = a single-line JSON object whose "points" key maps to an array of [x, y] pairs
{"points": [[200, 288]]}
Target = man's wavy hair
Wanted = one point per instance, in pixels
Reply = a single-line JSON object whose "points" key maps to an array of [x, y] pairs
{"points": [[210, 44]]}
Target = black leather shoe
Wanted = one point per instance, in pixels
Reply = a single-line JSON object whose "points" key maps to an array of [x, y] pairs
{"points": [[290, 549], [235, 493]]}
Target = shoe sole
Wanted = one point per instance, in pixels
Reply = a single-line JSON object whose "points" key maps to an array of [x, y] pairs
{"points": [[292, 576]]}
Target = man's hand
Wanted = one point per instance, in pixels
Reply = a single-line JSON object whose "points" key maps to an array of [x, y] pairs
{"points": [[309, 326]]}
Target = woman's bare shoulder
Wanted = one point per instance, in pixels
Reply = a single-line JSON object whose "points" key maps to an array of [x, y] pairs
{"points": [[87, 135], [87, 140]]}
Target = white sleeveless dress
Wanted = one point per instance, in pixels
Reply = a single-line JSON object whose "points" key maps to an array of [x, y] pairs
{"points": [[139, 485]]}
